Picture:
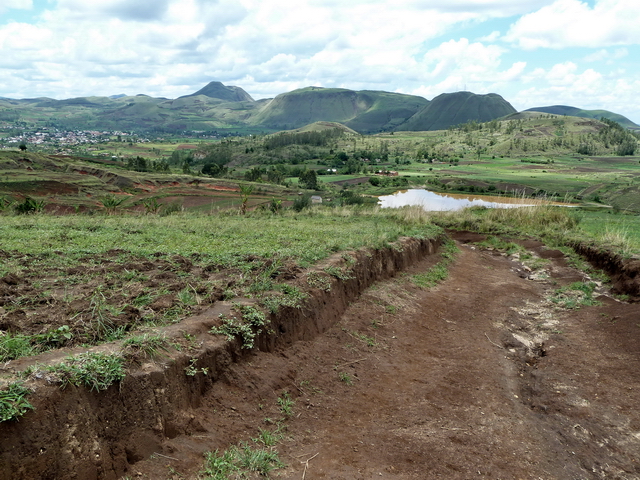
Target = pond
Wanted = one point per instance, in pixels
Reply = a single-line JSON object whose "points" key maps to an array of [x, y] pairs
{"points": [[432, 201]]}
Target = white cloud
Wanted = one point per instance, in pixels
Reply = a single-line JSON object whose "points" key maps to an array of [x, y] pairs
{"points": [[174, 47], [572, 23], [604, 55], [16, 4]]}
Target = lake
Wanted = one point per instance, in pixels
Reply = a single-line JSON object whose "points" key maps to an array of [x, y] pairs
{"points": [[432, 201]]}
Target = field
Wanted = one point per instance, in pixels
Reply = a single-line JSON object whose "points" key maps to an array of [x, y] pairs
{"points": [[245, 316]]}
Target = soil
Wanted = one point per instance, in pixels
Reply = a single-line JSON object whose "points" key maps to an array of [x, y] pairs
{"points": [[481, 376]]}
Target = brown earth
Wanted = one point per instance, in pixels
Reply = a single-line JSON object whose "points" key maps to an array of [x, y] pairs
{"points": [[480, 377]]}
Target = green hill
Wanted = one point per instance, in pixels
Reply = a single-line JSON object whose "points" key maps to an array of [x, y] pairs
{"points": [[365, 111], [577, 112], [223, 92], [450, 109]]}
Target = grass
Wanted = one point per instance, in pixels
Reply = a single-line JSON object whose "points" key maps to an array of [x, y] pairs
{"points": [[245, 327], [306, 237], [576, 295], [96, 371], [440, 271], [240, 462], [13, 402]]}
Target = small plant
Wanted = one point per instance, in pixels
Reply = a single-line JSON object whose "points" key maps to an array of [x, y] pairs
{"points": [[252, 320], [576, 295], [318, 280], [285, 402], [240, 462], [13, 402], [245, 191], [111, 203], [97, 371], [345, 378], [29, 206], [268, 438], [152, 206], [275, 205], [370, 341], [14, 346], [5, 203], [191, 370], [339, 273], [291, 297], [144, 345]]}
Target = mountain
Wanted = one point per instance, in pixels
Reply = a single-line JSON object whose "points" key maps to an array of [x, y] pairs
{"points": [[578, 112], [449, 109], [223, 92], [364, 111]]}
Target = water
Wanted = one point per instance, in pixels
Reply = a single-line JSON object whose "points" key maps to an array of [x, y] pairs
{"points": [[432, 201]]}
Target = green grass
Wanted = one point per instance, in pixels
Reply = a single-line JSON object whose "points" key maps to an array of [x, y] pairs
{"points": [[96, 371], [305, 237], [13, 402], [440, 271], [240, 462], [576, 295]]}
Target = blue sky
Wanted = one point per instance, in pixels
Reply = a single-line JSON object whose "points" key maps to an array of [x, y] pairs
{"points": [[532, 52]]}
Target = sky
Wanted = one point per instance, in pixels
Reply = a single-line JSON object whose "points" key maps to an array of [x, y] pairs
{"points": [[534, 53]]}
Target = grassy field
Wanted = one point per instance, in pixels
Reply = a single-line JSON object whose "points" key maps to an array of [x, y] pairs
{"points": [[303, 237]]}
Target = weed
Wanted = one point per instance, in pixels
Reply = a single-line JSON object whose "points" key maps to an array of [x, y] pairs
{"points": [[345, 378], [188, 296], [285, 402], [14, 346], [291, 296], [101, 326], [13, 402], [152, 206], [252, 320], [339, 273], [144, 345], [240, 462], [439, 272], [319, 280], [432, 277], [111, 203], [97, 371], [29, 206], [191, 370], [369, 341], [269, 438], [576, 295]]}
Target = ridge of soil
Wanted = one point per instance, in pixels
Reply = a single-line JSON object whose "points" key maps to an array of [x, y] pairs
{"points": [[76, 433]]}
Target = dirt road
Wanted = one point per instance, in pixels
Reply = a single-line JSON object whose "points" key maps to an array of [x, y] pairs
{"points": [[479, 377]]}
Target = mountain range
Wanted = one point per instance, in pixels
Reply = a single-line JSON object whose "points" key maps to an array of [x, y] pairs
{"points": [[220, 107]]}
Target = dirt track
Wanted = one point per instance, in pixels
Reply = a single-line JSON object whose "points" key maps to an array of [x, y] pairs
{"points": [[480, 377]]}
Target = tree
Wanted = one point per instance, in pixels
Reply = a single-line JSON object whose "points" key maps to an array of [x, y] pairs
{"points": [[309, 179], [23, 146]]}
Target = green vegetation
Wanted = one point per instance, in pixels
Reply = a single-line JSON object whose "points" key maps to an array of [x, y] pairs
{"points": [[246, 325], [97, 371], [239, 462], [13, 402], [576, 295], [440, 271]]}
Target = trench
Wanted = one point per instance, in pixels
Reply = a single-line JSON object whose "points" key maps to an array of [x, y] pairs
{"points": [[75, 433]]}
